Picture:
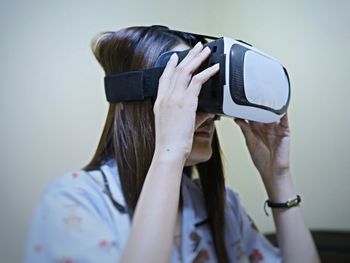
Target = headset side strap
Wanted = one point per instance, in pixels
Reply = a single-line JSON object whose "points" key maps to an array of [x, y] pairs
{"points": [[132, 86]]}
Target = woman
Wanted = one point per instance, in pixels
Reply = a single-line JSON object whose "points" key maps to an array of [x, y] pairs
{"points": [[142, 172]]}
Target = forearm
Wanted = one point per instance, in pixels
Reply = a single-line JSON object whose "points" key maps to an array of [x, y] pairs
{"points": [[294, 238], [154, 219]]}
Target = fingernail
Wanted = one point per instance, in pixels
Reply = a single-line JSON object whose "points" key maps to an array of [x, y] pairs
{"points": [[173, 56], [215, 66], [198, 45], [207, 49]]}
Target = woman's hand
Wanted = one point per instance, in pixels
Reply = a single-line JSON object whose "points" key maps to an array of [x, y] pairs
{"points": [[268, 146], [175, 114], [177, 100]]}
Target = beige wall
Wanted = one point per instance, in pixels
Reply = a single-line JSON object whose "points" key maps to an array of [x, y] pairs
{"points": [[53, 107], [312, 39]]}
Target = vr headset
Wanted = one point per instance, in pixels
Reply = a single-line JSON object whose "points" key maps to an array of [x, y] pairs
{"points": [[250, 84]]}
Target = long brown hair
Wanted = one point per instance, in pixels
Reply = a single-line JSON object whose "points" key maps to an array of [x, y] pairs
{"points": [[129, 134]]}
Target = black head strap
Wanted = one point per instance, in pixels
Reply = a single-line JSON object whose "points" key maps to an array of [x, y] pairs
{"points": [[141, 84], [133, 86]]}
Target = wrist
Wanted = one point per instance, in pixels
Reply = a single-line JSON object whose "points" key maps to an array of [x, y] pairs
{"points": [[289, 203], [279, 188], [169, 156]]}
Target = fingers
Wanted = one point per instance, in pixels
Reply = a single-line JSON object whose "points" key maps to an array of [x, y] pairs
{"points": [[202, 77], [251, 129], [177, 80], [245, 127], [196, 60], [168, 72], [191, 54], [189, 65], [284, 121], [170, 67]]}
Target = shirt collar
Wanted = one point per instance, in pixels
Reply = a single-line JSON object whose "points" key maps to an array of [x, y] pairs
{"points": [[192, 195], [110, 169], [193, 199]]}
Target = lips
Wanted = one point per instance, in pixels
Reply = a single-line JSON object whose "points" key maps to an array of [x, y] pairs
{"points": [[205, 129]]}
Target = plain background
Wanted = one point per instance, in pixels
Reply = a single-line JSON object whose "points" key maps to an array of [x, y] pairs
{"points": [[52, 104]]}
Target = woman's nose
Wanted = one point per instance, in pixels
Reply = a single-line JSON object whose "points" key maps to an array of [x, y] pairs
{"points": [[204, 115]]}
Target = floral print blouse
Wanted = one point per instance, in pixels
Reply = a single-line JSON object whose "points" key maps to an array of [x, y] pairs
{"points": [[81, 218]]}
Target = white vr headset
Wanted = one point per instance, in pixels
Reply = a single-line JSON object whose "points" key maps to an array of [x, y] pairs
{"points": [[249, 85]]}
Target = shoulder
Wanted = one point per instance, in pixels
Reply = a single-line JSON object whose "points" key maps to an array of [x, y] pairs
{"points": [[97, 191], [75, 188], [69, 179], [74, 219], [75, 182], [232, 199]]}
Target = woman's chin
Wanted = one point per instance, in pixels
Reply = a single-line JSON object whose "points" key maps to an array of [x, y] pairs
{"points": [[198, 157]]}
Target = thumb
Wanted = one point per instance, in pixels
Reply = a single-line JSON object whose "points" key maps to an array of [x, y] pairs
{"points": [[247, 132]]}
